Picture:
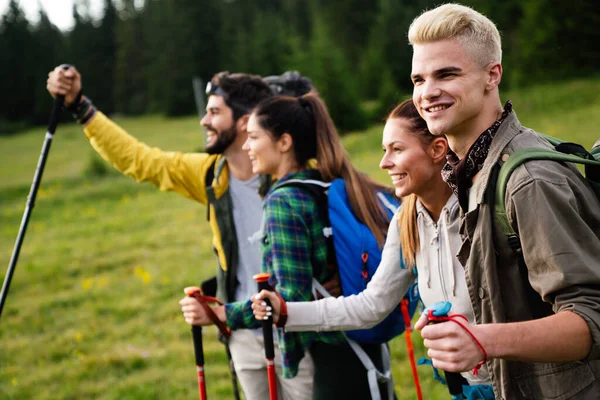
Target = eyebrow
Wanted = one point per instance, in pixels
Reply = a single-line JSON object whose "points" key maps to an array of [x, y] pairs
{"points": [[446, 70], [438, 72], [392, 143]]}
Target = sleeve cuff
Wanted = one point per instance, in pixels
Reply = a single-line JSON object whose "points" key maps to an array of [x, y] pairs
{"points": [[592, 320], [302, 316]]}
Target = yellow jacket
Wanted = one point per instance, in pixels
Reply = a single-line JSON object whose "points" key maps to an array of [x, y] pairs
{"points": [[184, 173]]}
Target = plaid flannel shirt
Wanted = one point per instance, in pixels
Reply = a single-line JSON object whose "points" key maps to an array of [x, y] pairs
{"points": [[292, 243]]}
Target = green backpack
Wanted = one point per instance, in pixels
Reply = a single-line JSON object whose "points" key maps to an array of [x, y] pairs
{"points": [[563, 152]]}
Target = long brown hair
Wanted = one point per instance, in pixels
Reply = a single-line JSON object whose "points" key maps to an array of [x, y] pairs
{"points": [[407, 217], [314, 135]]}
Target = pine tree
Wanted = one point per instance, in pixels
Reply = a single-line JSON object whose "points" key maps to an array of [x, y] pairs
{"points": [[17, 66], [50, 51]]}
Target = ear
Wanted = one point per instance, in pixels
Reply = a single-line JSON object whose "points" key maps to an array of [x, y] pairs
{"points": [[438, 149], [285, 143], [242, 123], [494, 75]]}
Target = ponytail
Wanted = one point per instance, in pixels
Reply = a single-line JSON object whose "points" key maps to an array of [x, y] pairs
{"points": [[409, 231], [314, 135], [333, 162]]}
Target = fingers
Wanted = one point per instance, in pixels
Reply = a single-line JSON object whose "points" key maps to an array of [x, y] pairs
{"points": [[261, 310], [193, 313], [55, 87], [422, 322], [442, 330], [441, 360], [58, 83], [64, 82], [450, 347], [187, 301]]}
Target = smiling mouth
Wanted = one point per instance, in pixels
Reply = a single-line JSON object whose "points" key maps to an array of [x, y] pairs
{"points": [[397, 177], [438, 108]]}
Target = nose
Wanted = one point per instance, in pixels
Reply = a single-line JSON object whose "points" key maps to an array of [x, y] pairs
{"points": [[430, 90], [205, 121], [246, 146], [385, 162]]}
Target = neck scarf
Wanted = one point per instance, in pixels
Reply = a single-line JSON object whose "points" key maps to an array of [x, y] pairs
{"points": [[458, 174]]}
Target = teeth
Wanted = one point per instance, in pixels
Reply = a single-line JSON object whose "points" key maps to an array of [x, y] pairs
{"points": [[397, 177], [437, 108]]}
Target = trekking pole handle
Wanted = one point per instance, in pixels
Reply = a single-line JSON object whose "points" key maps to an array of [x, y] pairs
{"points": [[267, 325], [192, 291], [56, 108], [454, 380], [263, 284]]}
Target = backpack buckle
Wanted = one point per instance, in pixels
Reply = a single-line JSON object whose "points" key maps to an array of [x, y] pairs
{"points": [[365, 271], [515, 243]]}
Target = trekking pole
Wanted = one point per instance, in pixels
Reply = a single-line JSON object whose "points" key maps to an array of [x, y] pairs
{"points": [[234, 382], [409, 346], [194, 291], [267, 326], [209, 288], [454, 380], [37, 178]]}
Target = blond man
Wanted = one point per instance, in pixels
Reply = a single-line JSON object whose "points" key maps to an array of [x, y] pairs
{"points": [[538, 325]]}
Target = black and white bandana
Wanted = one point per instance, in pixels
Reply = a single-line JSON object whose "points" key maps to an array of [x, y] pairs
{"points": [[458, 174]]}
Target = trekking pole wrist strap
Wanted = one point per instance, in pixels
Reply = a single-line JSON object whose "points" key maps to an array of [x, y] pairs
{"points": [[283, 313], [82, 109], [454, 318], [204, 300]]}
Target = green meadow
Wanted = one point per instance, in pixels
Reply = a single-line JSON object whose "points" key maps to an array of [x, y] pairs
{"points": [[92, 311]]}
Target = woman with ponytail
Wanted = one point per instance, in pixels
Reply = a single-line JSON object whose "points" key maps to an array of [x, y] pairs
{"points": [[424, 233], [286, 136]]}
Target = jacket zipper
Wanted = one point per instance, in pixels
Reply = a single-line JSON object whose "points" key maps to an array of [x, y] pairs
{"points": [[438, 248]]}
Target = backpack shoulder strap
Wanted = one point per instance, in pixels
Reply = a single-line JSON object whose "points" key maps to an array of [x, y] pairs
{"points": [[318, 191], [208, 180], [497, 186], [374, 375], [577, 154]]}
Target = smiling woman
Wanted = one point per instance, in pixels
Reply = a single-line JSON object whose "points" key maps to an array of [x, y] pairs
{"points": [[284, 134], [425, 229]]}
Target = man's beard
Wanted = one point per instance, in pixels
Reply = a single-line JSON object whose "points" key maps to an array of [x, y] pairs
{"points": [[222, 140]]}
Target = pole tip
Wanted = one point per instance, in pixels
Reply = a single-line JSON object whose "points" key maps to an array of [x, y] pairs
{"points": [[192, 290], [262, 277]]}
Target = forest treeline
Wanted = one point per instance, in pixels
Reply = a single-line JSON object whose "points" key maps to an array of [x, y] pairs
{"points": [[139, 58]]}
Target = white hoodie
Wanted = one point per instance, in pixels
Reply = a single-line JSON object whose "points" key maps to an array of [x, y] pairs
{"points": [[441, 278]]}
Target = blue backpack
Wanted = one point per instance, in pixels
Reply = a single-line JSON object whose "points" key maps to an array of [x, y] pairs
{"points": [[357, 254]]}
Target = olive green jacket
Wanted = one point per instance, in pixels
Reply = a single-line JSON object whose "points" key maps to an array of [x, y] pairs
{"points": [[557, 217]]}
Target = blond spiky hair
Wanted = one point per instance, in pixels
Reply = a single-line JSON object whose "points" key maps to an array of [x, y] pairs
{"points": [[473, 30]]}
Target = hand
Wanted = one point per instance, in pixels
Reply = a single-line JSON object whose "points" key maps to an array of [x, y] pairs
{"points": [[333, 286], [66, 82], [193, 312], [260, 308], [450, 346]]}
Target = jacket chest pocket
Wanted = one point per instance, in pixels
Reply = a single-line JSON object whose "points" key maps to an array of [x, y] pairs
{"points": [[558, 382]]}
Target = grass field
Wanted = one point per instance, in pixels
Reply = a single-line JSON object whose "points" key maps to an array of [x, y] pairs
{"points": [[92, 312]]}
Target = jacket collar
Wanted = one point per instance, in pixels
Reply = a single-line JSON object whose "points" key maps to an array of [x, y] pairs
{"points": [[507, 131]]}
